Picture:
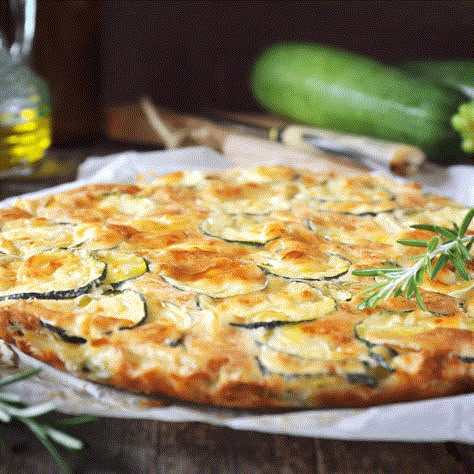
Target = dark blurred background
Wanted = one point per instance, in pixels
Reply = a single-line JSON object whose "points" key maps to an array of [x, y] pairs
{"points": [[195, 55]]}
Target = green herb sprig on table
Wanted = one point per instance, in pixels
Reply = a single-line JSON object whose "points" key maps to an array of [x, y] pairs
{"points": [[12, 408], [450, 245]]}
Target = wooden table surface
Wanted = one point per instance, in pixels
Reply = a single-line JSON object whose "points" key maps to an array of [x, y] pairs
{"points": [[136, 446]]}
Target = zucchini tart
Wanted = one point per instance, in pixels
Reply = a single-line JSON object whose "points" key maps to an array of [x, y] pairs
{"points": [[237, 289]]}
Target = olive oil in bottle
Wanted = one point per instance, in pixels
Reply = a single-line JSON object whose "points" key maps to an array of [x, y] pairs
{"points": [[24, 139], [25, 123]]}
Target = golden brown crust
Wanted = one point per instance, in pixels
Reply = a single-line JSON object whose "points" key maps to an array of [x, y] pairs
{"points": [[236, 289]]}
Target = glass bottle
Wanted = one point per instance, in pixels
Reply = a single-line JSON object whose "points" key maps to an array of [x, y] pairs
{"points": [[25, 120]]}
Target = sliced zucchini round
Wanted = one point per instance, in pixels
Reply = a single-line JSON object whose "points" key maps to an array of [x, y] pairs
{"points": [[358, 189], [351, 229], [402, 329], [50, 275], [357, 196], [290, 258], [369, 208], [382, 355], [273, 362], [449, 282], [315, 349], [444, 216], [314, 340], [251, 229], [36, 235], [129, 204], [167, 222], [281, 302], [93, 236], [63, 334], [121, 266], [247, 198], [91, 316], [222, 277]]}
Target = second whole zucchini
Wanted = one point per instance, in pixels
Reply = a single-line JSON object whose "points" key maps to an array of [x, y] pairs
{"points": [[458, 74], [334, 89]]}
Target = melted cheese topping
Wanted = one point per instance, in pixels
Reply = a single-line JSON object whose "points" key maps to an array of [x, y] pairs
{"points": [[350, 230], [248, 197], [30, 236], [291, 258], [220, 277], [361, 189], [131, 205], [244, 228]]}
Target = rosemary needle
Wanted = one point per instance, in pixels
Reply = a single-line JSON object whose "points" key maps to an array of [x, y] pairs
{"points": [[450, 245], [12, 407]]}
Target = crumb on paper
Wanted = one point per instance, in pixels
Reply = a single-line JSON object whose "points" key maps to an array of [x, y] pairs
{"points": [[153, 404]]}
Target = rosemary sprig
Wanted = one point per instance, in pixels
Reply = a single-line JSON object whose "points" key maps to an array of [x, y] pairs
{"points": [[12, 407], [450, 245]]}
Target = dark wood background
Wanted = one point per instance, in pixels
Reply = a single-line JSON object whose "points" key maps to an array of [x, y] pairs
{"points": [[193, 55]]}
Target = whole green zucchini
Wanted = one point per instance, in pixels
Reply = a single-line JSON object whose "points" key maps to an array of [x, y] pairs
{"points": [[457, 73], [334, 89]]}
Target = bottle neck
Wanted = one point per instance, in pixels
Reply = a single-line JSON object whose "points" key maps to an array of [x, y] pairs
{"points": [[23, 14]]}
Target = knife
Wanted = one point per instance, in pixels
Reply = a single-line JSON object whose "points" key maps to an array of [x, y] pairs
{"points": [[400, 158]]}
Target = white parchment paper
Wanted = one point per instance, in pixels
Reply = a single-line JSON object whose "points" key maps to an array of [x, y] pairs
{"points": [[442, 419]]}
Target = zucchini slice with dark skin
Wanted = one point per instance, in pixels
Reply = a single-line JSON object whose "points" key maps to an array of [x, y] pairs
{"points": [[401, 329], [291, 258], [315, 349], [281, 302], [315, 340], [349, 196], [382, 355], [244, 228], [60, 274], [92, 316], [121, 266], [293, 367], [387, 334], [350, 230], [223, 277], [63, 334]]}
